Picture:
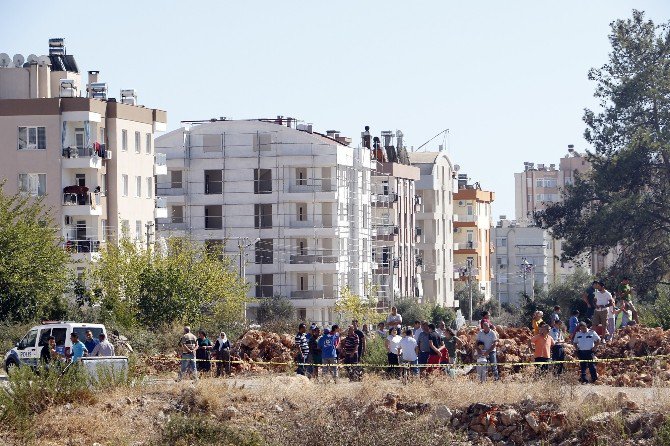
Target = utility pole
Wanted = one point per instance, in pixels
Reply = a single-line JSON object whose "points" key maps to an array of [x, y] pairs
{"points": [[470, 285], [149, 225]]}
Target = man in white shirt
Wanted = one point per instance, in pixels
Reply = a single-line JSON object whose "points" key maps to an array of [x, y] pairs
{"points": [[603, 301], [417, 330], [394, 319], [585, 341], [490, 339], [410, 351], [104, 347]]}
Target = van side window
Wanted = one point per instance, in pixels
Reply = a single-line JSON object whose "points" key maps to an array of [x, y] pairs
{"points": [[44, 337], [59, 334], [29, 339]]}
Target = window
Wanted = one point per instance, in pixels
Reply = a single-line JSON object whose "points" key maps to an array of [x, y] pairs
{"points": [[176, 179], [150, 187], [177, 214], [365, 215], [34, 184], [262, 216], [124, 181], [302, 247], [148, 143], [79, 137], [138, 149], [138, 230], [262, 181], [301, 211], [213, 182], [303, 282], [264, 285], [138, 185], [105, 229], [125, 228], [502, 242], [213, 217], [32, 138], [264, 251], [124, 140], [301, 176]]}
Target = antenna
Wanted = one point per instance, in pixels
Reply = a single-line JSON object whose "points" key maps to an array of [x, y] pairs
{"points": [[18, 60], [4, 60], [32, 59]]}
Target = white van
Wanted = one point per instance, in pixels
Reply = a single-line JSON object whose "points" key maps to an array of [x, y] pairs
{"points": [[27, 350]]}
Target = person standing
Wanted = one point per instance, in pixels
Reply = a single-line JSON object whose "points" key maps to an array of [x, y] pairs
{"points": [[222, 351], [555, 316], [438, 353], [349, 350], [585, 341], [480, 358], [314, 353], [589, 298], [48, 352], [89, 342], [424, 345], [603, 302], [417, 330], [542, 344], [188, 345], [558, 350], [452, 344], [409, 351], [362, 345], [381, 331], [203, 354], [302, 346], [394, 319], [328, 353], [486, 319], [78, 348], [535, 322], [103, 347], [625, 293], [573, 322], [393, 351], [490, 339]]}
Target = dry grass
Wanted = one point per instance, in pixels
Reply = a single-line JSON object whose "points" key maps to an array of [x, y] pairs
{"points": [[276, 406]]}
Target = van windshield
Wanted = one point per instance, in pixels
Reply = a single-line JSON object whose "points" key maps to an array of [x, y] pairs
{"points": [[81, 331]]}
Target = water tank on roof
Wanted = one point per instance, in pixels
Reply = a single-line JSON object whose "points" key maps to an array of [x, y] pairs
{"points": [[68, 88], [129, 96]]}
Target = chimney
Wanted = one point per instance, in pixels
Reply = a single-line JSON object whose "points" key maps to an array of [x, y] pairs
{"points": [[388, 138], [366, 137], [93, 77]]}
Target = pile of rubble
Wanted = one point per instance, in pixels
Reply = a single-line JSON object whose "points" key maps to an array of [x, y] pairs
{"points": [[255, 346]]}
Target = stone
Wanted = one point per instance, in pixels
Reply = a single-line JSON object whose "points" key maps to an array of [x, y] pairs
{"points": [[496, 437], [508, 431], [509, 417], [67, 406], [278, 408], [533, 421], [632, 405], [443, 412], [559, 419], [129, 401], [603, 417], [491, 430], [230, 412], [478, 428]]}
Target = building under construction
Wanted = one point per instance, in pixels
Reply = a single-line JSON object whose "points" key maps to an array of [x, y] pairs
{"points": [[290, 204]]}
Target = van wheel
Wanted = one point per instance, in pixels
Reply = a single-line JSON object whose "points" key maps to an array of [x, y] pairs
{"points": [[11, 364]]}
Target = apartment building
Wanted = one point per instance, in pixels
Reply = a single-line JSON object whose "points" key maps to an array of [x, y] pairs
{"points": [[539, 186], [434, 226], [290, 205], [523, 259], [395, 272], [90, 156], [473, 246]]}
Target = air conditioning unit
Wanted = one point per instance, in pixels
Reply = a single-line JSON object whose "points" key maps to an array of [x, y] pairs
{"points": [[461, 203], [108, 155], [68, 220]]}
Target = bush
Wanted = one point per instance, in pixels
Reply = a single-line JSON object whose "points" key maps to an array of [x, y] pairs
{"points": [[657, 314], [438, 313], [199, 430], [411, 310], [375, 352], [29, 393], [11, 333]]}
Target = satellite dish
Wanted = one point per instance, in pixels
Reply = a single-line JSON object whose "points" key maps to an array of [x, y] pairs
{"points": [[4, 60], [32, 59], [18, 60], [43, 61], [457, 167]]}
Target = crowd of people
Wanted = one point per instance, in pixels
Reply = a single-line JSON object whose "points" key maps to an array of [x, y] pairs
{"points": [[423, 348], [51, 356]]}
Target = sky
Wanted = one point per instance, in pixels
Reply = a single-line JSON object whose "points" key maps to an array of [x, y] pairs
{"points": [[508, 79]]}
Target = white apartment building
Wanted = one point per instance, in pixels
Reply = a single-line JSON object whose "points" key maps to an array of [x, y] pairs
{"points": [[434, 226], [523, 259], [90, 156], [293, 204], [395, 271]]}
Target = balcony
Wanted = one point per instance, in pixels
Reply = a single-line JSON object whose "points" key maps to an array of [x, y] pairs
{"points": [[466, 246], [312, 186], [85, 249], [298, 259], [77, 201], [380, 200], [160, 164], [85, 157], [160, 210], [385, 232], [466, 218], [323, 293]]}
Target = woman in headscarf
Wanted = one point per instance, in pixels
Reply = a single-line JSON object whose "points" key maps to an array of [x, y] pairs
{"points": [[222, 352]]}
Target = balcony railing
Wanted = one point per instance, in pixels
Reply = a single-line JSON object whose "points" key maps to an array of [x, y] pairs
{"points": [[82, 246], [99, 150], [385, 198], [467, 218], [466, 245], [327, 292], [385, 230], [312, 186], [81, 199], [307, 259]]}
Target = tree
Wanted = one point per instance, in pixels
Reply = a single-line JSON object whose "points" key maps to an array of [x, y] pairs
{"points": [[352, 306], [462, 294], [275, 308], [411, 310], [33, 263], [187, 285], [623, 202]]}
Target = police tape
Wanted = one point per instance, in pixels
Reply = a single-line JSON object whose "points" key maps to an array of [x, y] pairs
{"points": [[412, 365]]}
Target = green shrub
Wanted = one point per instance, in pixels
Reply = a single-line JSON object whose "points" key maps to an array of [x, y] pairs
{"points": [[200, 431], [375, 352], [11, 333]]}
